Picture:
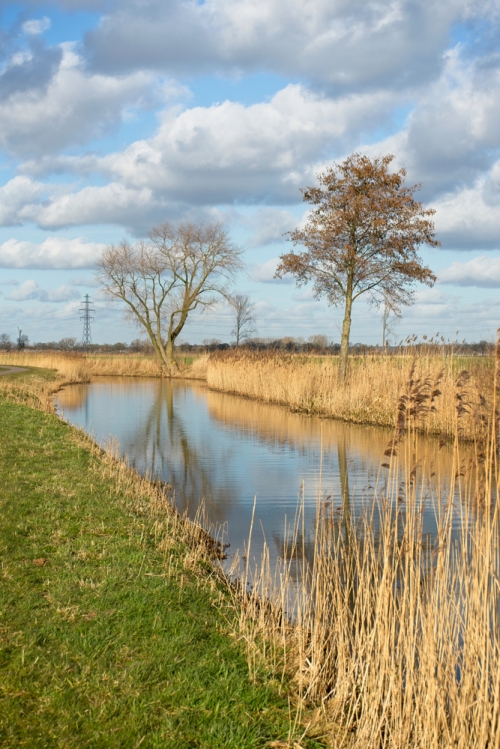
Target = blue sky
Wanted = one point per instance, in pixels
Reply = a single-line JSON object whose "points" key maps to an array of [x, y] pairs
{"points": [[116, 116]]}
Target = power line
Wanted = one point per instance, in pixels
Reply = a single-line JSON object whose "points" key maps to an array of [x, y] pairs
{"points": [[87, 309]]}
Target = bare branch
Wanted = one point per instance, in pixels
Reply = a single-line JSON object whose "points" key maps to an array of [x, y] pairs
{"points": [[161, 281]]}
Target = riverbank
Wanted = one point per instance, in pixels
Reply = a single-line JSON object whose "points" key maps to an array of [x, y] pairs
{"points": [[80, 367], [114, 629], [432, 387], [390, 633], [310, 384]]}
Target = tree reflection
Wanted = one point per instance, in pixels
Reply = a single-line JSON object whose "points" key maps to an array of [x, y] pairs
{"points": [[163, 444]]}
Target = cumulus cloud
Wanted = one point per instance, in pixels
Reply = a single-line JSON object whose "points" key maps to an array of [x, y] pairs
{"points": [[50, 102], [264, 273], [111, 204], [17, 199], [31, 290], [203, 157], [362, 43], [88, 283], [53, 253], [268, 226], [451, 136], [30, 71], [464, 220], [36, 25], [227, 152], [480, 271]]}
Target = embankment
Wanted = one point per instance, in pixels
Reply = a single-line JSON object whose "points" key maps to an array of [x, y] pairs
{"points": [[115, 629], [80, 367], [372, 391]]}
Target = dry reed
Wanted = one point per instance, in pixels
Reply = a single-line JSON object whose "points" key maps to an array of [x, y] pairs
{"points": [[369, 396], [80, 367], [394, 638]]}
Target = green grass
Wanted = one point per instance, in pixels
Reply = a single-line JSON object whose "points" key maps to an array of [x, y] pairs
{"points": [[105, 639], [28, 373]]}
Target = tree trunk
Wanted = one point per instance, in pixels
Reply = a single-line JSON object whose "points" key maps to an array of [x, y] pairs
{"points": [[169, 354], [346, 330]]}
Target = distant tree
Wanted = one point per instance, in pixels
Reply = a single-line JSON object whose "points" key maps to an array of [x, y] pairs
{"points": [[318, 341], [244, 317], [180, 269], [66, 344], [5, 342], [361, 238], [389, 319], [22, 340], [139, 345]]}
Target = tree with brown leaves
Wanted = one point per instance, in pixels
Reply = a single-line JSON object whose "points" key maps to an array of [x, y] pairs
{"points": [[361, 237], [161, 281]]}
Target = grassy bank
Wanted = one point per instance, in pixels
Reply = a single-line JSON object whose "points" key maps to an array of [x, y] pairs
{"points": [[114, 630], [308, 384], [79, 367], [371, 391]]}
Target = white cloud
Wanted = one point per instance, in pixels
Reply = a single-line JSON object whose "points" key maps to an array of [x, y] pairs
{"points": [[112, 204], [36, 25], [16, 199], [208, 156], [88, 283], [30, 290], [53, 253], [480, 271], [230, 151], [269, 225], [464, 220], [72, 107], [264, 273], [331, 42]]}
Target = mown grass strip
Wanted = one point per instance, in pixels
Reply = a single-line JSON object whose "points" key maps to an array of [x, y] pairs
{"points": [[107, 637]]}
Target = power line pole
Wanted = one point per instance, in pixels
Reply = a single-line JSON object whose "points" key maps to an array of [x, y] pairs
{"points": [[88, 310]]}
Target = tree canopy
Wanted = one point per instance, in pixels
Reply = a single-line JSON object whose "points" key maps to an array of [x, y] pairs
{"points": [[161, 281], [361, 237]]}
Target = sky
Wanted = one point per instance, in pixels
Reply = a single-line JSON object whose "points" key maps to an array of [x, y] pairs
{"points": [[117, 115]]}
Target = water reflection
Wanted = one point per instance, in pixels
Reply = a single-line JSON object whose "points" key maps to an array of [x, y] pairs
{"points": [[227, 449]]}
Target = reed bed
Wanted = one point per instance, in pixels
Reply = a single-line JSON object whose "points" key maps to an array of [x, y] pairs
{"points": [[81, 367], [370, 394], [392, 636]]}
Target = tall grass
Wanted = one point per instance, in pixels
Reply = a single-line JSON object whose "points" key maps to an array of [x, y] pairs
{"points": [[80, 367], [392, 636], [369, 395]]}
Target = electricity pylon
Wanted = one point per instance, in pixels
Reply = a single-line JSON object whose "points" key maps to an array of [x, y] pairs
{"points": [[87, 318]]}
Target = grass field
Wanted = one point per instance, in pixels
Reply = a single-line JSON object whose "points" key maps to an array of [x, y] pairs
{"points": [[114, 629]]}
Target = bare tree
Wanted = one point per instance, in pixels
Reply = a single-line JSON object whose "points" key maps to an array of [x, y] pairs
{"points": [[5, 342], [67, 344], [244, 317], [22, 340], [319, 340], [361, 238], [180, 269], [389, 319]]}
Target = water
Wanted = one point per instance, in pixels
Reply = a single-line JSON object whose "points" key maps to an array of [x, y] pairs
{"points": [[228, 450]]}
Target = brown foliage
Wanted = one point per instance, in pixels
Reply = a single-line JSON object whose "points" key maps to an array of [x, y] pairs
{"points": [[361, 237]]}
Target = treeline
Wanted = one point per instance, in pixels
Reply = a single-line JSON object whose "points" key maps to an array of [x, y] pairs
{"points": [[318, 344]]}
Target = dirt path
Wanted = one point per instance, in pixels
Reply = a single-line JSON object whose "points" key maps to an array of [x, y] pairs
{"points": [[11, 370]]}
